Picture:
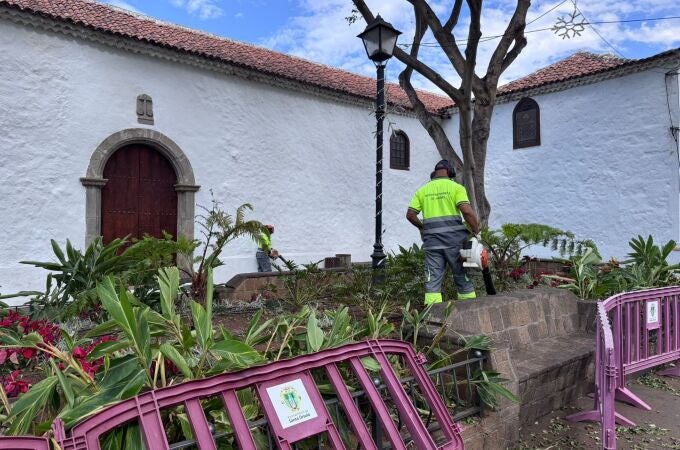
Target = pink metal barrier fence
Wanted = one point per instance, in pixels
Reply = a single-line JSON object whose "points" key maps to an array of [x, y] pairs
{"points": [[24, 443], [605, 382], [290, 401], [645, 328]]}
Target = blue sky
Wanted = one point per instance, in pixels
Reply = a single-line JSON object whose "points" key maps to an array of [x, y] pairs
{"points": [[316, 29]]}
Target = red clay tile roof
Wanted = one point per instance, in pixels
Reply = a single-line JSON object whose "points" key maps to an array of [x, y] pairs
{"points": [[113, 20], [116, 21], [576, 65]]}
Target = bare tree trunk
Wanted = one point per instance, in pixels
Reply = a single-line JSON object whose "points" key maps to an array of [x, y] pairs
{"points": [[465, 136], [481, 126]]}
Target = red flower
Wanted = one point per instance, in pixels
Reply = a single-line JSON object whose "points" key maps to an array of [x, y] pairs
{"points": [[79, 353], [13, 385], [28, 353], [517, 273]]}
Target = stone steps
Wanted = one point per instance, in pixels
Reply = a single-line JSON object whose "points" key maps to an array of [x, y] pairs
{"points": [[542, 345]]}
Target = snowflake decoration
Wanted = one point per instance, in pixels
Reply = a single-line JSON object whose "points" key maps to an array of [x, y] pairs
{"points": [[571, 26]]}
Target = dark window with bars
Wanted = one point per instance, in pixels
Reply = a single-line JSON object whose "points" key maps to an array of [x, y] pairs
{"points": [[399, 151], [526, 124]]}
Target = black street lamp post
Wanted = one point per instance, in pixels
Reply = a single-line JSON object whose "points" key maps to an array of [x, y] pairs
{"points": [[379, 39]]}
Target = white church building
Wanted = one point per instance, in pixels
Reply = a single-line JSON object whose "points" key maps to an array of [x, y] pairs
{"points": [[114, 124]]}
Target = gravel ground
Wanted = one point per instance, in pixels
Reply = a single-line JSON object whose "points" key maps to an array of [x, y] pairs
{"points": [[656, 429]]}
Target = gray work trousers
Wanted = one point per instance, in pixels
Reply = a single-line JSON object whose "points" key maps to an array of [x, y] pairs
{"points": [[435, 267], [264, 264]]}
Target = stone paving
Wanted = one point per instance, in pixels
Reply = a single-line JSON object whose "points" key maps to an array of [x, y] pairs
{"points": [[656, 429]]}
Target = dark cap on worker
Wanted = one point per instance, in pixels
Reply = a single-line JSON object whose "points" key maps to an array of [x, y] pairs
{"points": [[443, 164]]}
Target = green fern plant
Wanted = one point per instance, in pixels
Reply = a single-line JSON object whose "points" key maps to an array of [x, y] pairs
{"points": [[218, 228], [505, 245]]}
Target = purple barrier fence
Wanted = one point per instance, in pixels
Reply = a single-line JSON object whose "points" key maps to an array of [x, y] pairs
{"points": [[24, 443], [605, 382], [646, 327], [645, 332], [291, 403]]}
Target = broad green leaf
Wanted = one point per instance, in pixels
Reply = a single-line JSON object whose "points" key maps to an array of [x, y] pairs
{"points": [[107, 348], [143, 335], [90, 404], [237, 352], [65, 384], [168, 282], [28, 405], [314, 334], [209, 294], [112, 304], [173, 355], [57, 251], [120, 369], [202, 324], [103, 328], [370, 364], [67, 339]]}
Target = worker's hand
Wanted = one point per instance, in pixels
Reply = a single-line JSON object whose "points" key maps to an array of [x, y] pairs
{"points": [[274, 253], [478, 236]]}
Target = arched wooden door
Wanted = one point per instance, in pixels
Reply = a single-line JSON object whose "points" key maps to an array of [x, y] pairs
{"points": [[139, 197]]}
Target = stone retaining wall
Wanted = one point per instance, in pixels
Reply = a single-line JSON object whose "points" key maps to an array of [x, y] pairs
{"points": [[542, 346]]}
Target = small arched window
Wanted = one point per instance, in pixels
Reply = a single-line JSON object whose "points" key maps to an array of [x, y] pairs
{"points": [[399, 151], [526, 124]]}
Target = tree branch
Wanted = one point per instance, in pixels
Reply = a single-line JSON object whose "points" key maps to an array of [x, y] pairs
{"points": [[513, 32], [415, 63], [426, 71], [447, 41], [453, 18], [426, 119], [520, 43]]}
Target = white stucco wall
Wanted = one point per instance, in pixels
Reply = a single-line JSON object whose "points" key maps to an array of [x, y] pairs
{"points": [[305, 163], [606, 169]]}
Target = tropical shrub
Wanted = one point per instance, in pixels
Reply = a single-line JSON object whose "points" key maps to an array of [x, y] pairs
{"points": [[146, 257], [70, 285], [218, 228], [648, 266], [303, 283], [355, 288], [139, 349], [402, 281], [586, 280], [135, 350], [506, 244]]}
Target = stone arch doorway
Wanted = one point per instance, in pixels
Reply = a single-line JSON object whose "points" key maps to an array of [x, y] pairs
{"points": [[139, 197], [157, 145]]}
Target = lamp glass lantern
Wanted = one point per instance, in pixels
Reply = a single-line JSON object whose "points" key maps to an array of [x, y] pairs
{"points": [[379, 39]]}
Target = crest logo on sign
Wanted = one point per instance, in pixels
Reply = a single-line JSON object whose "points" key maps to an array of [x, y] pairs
{"points": [[653, 316], [290, 398], [291, 402]]}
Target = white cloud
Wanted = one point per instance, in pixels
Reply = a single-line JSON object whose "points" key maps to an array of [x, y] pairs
{"points": [[238, 15], [320, 33], [204, 9], [124, 5]]}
